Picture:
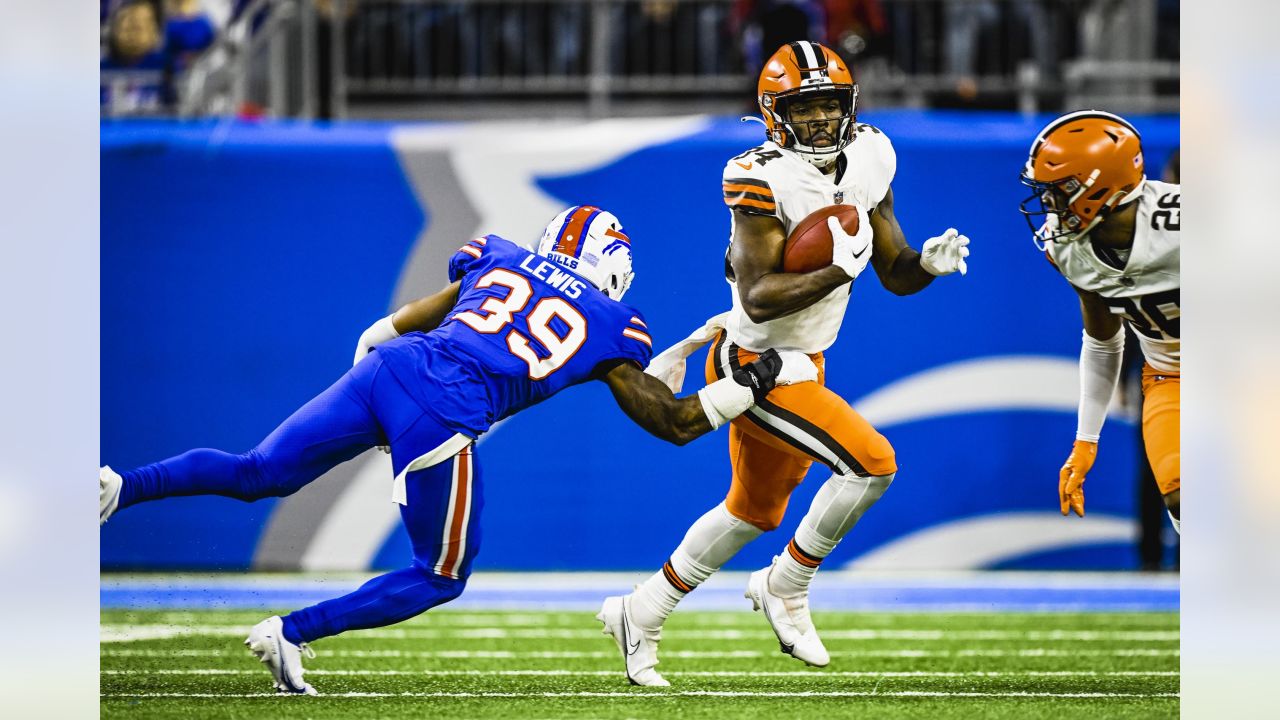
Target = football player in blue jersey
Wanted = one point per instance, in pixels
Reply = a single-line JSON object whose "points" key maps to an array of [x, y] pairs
{"points": [[511, 329]]}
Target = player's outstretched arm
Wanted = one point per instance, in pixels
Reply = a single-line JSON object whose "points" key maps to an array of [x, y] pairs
{"points": [[767, 292], [426, 313], [1101, 352], [650, 403], [903, 270], [423, 315]]}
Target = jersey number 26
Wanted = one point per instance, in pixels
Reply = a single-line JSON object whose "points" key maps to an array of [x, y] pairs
{"points": [[501, 311]]}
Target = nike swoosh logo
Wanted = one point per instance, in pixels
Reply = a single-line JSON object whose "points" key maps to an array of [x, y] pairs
{"points": [[626, 633], [788, 649], [744, 167], [859, 254]]}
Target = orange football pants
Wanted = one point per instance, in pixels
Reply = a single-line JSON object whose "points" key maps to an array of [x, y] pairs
{"points": [[772, 445], [1161, 426]]}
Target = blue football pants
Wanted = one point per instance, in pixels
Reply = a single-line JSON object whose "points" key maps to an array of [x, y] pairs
{"points": [[366, 407]]}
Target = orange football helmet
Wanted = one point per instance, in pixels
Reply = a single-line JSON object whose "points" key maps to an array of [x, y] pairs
{"points": [[1081, 167], [804, 69]]}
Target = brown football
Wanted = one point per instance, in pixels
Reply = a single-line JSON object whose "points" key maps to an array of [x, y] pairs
{"points": [[809, 247]]}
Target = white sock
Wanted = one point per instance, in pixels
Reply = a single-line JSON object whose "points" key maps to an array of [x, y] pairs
{"points": [[710, 542], [836, 508], [1177, 524]]}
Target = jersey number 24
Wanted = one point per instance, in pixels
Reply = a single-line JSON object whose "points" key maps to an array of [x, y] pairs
{"points": [[501, 311]]}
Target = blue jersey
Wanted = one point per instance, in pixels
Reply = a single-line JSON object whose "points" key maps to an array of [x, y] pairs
{"points": [[523, 329]]}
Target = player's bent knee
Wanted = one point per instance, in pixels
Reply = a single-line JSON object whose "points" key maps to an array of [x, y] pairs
{"points": [[264, 476], [259, 478], [881, 459], [1168, 472], [443, 584], [766, 521], [449, 588]]}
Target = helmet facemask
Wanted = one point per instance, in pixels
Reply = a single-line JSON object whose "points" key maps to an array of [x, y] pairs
{"points": [[1055, 219], [1053, 200], [785, 129], [799, 71]]}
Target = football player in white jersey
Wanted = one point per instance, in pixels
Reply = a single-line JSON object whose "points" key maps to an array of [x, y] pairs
{"points": [[1115, 235], [816, 155]]}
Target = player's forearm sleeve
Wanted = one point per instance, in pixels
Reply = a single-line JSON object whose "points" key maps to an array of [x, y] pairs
{"points": [[376, 334], [724, 400], [1099, 372]]}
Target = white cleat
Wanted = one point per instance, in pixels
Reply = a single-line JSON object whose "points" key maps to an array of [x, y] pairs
{"points": [[790, 620], [109, 484], [639, 645], [282, 657]]}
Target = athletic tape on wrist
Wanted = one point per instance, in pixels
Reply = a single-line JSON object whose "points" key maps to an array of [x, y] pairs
{"points": [[724, 400]]}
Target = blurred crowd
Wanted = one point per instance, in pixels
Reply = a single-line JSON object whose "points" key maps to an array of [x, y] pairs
{"points": [[146, 43], [958, 39]]}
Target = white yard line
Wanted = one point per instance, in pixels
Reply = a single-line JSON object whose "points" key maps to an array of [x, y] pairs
{"points": [[735, 580], [446, 618], [809, 674], [683, 654], [661, 694], [740, 616], [112, 633]]}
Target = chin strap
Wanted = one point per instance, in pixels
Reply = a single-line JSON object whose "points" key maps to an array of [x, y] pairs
{"points": [[1133, 194], [1118, 200]]}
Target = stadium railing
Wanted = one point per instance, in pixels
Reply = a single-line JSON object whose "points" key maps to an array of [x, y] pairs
{"points": [[510, 58]]}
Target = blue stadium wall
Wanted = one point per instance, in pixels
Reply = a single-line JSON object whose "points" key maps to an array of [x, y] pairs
{"points": [[240, 262]]}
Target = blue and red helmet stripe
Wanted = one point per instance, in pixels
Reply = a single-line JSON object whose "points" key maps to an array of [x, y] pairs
{"points": [[574, 230]]}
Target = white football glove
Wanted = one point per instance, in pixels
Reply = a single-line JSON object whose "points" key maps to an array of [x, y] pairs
{"points": [[850, 253], [797, 367], [945, 254], [375, 335]]}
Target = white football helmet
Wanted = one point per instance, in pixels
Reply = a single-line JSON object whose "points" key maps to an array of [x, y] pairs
{"points": [[590, 242]]}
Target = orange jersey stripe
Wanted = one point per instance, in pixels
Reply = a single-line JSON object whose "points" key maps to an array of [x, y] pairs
{"points": [[637, 335], [747, 202], [756, 189], [470, 250], [638, 321]]}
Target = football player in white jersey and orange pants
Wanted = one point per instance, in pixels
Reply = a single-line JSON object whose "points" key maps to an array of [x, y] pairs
{"points": [[816, 155], [1115, 235]]}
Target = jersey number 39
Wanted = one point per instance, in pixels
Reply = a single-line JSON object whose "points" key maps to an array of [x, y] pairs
{"points": [[501, 311]]}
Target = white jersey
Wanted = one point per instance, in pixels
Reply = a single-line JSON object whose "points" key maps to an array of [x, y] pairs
{"points": [[768, 180], [1144, 293]]}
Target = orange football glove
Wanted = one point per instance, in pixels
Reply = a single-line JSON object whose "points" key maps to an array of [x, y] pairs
{"points": [[1071, 476]]}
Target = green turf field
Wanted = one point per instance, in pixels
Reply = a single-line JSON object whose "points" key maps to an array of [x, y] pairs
{"points": [[522, 665]]}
